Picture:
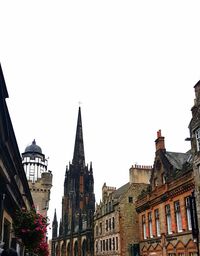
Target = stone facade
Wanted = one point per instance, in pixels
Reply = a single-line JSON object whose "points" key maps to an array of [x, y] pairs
{"points": [[165, 223], [115, 220], [75, 236], [194, 128], [38, 176]]}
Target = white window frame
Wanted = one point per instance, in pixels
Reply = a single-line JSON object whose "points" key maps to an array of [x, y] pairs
{"points": [[197, 135], [178, 217], [168, 219], [157, 222], [150, 225], [188, 213], [144, 227]]}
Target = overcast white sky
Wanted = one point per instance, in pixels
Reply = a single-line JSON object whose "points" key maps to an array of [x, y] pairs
{"points": [[132, 64]]}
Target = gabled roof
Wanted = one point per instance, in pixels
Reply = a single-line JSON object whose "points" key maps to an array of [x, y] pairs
{"points": [[178, 159]]}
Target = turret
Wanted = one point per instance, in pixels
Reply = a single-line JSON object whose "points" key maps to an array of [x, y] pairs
{"points": [[39, 177]]}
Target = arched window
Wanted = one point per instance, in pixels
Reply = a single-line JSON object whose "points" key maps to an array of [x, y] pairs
{"points": [[84, 248], [63, 250], [76, 249], [68, 249]]}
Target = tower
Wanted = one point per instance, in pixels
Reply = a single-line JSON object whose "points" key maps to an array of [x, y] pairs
{"points": [[78, 203], [39, 178]]}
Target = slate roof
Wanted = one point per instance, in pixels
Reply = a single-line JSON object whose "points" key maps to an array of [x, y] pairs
{"points": [[178, 159], [120, 191]]}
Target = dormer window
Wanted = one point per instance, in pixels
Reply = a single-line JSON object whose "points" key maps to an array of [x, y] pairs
{"points": [[163, 179], [155, 182], [197, 135]]}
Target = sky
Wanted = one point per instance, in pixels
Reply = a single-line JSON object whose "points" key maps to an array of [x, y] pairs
{"points": [[131, 64]]}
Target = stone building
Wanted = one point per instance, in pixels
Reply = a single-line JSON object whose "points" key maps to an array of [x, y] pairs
{"points": [[14, 189], [115, 220], [38, 176], [165, 223], [75, 236], [194, 128]]}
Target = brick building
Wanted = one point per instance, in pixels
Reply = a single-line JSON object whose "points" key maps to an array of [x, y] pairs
{"points": [[115, 220], [165, 223]]}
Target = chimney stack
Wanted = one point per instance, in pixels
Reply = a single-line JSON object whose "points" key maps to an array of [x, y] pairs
{"points": [[160, 141]]}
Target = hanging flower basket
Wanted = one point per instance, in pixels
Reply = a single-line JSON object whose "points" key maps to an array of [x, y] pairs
{"points": [[31, 227]]}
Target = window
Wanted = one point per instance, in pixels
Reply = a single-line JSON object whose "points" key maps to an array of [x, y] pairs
{"points": [[130, 199], [110, 206], [168, 219], [178, 216], [155, 182], [97, 231], [100, 227], [110, 244], [116, 243], [106, 244], [197, 135], [96, 246], [101, 243], [150, 225], [157, 222], [113, 243], [188, 213], [109, 223], [144, 227], [106, 225], [113, 222], [163, 179], [106, 208], [192, 254]]}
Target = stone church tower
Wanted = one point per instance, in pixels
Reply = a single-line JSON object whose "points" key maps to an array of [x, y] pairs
{"points": [[75, 236], [39, 178]]}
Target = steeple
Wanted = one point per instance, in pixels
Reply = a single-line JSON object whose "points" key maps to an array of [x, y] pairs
{"points": [[79, 156], [54, 226]]}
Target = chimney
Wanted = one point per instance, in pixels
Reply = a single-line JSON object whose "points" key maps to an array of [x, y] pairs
{"points": [[197, 98], [197, 89], [160, 141]]}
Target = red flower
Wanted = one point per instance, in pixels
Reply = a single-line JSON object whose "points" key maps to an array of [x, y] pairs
{"points": [[31, 227]]}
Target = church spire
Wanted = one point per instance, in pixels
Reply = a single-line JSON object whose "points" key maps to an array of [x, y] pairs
{"points": [[55, 226], [79, 156]]}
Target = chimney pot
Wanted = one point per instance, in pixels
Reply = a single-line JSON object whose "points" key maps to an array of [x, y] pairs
{"points": [[160, 141]]}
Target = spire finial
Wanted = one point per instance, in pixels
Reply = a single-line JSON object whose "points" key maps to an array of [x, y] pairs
{"points": [[55, 216]]}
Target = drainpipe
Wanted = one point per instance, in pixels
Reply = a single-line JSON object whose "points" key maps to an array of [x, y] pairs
{"points": [[2, 197]]}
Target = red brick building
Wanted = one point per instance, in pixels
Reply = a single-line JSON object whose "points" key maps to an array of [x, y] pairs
{"points": [[165, 223]]}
